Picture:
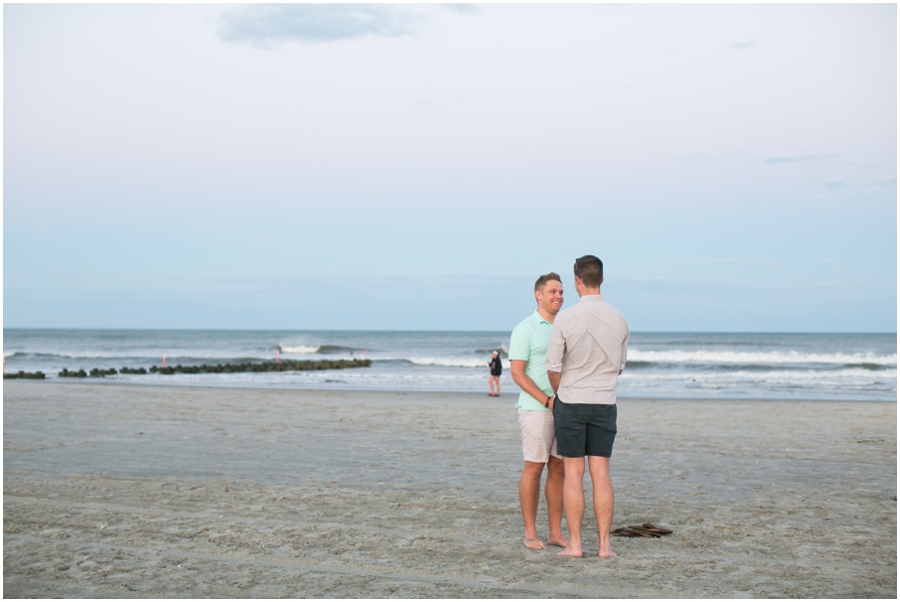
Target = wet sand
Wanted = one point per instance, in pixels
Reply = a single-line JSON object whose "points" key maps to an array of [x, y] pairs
{"points": [[122, 491]]}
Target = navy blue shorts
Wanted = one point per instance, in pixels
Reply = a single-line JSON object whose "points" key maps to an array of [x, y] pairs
{"points": [[584, 429]]}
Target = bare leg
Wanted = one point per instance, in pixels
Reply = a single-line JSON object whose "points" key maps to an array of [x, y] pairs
{"points": [[573, 500], [491, 384], [553, 490], [604, 500], [529, 495]]}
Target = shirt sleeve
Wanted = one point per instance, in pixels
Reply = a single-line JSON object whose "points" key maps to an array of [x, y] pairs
{"points": [[625, 348], [555, 349], [519, 345]]}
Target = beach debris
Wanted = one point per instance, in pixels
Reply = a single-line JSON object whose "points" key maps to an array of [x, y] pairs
{"points": [[22, 374], [644, 530]]}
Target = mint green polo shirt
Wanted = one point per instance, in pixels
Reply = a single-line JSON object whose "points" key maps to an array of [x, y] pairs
{"points": [[529, 342]]}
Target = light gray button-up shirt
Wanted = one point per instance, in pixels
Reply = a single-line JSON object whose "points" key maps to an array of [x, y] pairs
{"points": [[588, 346]]}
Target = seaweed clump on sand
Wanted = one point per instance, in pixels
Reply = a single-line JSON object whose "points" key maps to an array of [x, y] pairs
{"points": [[22, 374], [284, 366]]}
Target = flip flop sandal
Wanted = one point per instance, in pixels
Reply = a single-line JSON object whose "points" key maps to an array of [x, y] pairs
{"points": [[654, 529]]}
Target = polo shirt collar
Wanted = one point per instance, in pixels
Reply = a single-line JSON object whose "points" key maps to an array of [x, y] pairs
{"points": [[539, 317]]}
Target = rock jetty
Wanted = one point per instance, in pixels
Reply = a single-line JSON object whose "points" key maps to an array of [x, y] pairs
{"points": [[283, 366], [22, 374], [95, 372], [67, 374]]}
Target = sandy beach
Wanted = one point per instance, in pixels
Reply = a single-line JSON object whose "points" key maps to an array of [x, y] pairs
{"points": [[126, 491]]}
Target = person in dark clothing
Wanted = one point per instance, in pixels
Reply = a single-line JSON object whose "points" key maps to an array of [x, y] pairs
{"points": [[496, 371]]}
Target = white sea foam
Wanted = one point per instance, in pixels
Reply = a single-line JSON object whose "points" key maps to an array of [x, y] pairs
{"points": [[299, 348], [741, 382], [449, 362], [758, 358]]}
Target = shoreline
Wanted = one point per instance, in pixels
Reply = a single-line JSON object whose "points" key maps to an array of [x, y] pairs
{"points": [[115, 490], [255, 387]]}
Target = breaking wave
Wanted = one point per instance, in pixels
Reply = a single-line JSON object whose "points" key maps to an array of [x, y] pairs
{"points": [[766, 358]]}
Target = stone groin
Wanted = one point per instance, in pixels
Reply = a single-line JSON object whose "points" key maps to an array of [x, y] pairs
{"points": [[95, 372], [22, 374], [283, 366], [67, 374]]}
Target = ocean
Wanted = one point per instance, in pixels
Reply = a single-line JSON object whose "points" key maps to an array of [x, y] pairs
{"points": [[660, 365]]}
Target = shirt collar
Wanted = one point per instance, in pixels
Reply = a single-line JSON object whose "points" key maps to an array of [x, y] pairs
{"points": [[539, 317], [591, 298]]}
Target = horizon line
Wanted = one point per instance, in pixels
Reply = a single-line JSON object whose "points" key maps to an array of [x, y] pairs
{"points": [[106, 328]]}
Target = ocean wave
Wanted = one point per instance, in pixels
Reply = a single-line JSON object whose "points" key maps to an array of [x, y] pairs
{"points": [[758, 358], [501, 349], [299, 348], [331, 349], [71, 355], [147, 355], [322, 349], [809, 379], [448, 362]]}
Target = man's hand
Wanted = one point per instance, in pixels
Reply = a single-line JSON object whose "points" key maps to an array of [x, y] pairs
{"points": [[517, 369]]}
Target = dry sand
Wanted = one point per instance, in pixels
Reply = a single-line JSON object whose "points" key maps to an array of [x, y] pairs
{"points": [[125, 491]]}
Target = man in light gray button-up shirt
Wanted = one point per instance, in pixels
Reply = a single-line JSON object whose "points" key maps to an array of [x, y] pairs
{"points": [[586, 355]]}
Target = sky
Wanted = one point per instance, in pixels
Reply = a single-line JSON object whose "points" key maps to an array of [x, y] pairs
{"points": [[417, 167]]}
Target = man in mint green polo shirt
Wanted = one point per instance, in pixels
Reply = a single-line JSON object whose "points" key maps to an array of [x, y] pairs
{"points": [[527, 353]]}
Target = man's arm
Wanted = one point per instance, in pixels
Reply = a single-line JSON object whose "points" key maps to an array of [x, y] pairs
{"points": [[624, 349], [555, 351], [517, 369], [554, 379]]}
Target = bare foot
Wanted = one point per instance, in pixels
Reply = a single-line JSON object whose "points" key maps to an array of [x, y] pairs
{"points": [[533, 543], [571, 551], [607, 553], [557, 541]]}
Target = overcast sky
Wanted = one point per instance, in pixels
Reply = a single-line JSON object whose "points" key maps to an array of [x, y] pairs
{"points": [[418, 166]]}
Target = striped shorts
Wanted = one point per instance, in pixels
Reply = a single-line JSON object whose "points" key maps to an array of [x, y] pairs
{"points": [[538, 437]]}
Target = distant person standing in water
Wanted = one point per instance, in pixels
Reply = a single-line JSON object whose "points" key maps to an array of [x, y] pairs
{"points": [[586, 355], [496, 370], [527, 351]]}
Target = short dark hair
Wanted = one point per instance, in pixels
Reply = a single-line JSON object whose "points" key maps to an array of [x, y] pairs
{"points": [[590, 269], [540, 282]]}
